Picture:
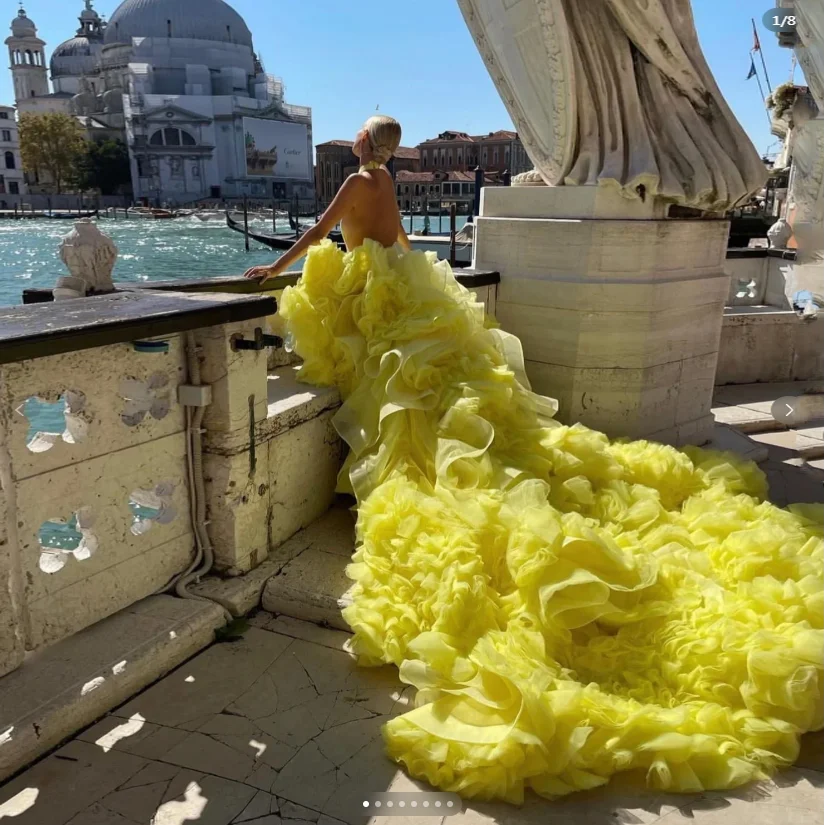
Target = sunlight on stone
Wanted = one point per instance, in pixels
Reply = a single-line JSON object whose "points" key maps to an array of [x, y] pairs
{"points": [[5, 736], [177, 813], [94, 684], [119, 668], [189, 679], [20, 803], [130, 728], [258, 747], [746, 289]]}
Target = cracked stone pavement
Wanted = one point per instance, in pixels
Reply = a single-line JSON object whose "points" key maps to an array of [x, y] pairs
{"points": [[280, 728]]}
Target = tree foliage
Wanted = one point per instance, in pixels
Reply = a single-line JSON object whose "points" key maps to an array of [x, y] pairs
{"points": [[50, 143], [103, 166]]}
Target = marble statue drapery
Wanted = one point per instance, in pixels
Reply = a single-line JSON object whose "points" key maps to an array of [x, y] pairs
{"points": [[616, 93]]}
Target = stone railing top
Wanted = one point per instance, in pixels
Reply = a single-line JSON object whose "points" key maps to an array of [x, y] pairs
{"points": [[235, 285], [67, 326]]}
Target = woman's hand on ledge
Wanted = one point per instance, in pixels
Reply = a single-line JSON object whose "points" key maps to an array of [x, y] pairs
{"points": [[260, 273]]}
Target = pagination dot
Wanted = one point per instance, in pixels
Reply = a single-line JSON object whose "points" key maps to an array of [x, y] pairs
{"points": [[366, 803]]}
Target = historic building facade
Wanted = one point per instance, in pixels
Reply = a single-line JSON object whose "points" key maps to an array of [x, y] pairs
{"points": [[11, 166], [334, 162], [186, 92], [497, 152]]}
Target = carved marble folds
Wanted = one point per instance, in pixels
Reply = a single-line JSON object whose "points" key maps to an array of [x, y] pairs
{"points": [[616, 93]]}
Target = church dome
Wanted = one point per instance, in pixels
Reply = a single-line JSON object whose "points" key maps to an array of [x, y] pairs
{"points": [[213, 20], [74, 47], [21, 26]]}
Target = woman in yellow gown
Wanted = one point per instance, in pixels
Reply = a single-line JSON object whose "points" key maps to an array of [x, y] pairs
{"points": [[568, 607]]}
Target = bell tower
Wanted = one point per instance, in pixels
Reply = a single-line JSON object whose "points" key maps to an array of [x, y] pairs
{"points": [[28, 61]]}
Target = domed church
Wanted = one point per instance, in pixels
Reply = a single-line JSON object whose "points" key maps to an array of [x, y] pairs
{"points": [[181, 85]]}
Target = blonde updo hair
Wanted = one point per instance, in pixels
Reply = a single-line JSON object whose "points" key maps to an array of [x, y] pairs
{"points": [[384, 134]]}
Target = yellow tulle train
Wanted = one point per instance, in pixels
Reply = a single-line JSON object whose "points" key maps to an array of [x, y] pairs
{"points": [[567, 607]]}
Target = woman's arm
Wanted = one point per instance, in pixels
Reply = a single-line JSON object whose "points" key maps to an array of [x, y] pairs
{"points": [[337, 210], [402, 236]]}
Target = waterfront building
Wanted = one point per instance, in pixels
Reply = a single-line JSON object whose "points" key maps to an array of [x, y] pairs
{"points": [[11, 166], [185, 91], [439, 189], [334, 162], [498, 152]]}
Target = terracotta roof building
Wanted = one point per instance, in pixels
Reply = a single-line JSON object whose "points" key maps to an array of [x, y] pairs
{"points": [[334, 162], [500, 151], [439, 188]]}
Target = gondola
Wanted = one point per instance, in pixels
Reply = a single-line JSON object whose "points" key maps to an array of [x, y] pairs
{"points": [[281, 242]]}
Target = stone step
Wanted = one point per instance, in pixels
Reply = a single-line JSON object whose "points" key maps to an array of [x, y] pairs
{"points": [[290, 403], [313, 585], [802, 442], [330, 535], [61, 689]]}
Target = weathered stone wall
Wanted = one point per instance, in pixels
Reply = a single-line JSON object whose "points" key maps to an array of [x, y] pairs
{"points": [[97, 484]]}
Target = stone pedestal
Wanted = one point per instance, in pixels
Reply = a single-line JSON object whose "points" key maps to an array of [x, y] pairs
{"points": [[619, 309]]}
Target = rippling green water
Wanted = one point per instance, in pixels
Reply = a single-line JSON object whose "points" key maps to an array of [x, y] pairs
{"points": [[149, 250]]}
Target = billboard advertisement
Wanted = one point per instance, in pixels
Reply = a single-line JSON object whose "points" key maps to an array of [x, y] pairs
{"points": [[275, 149]]}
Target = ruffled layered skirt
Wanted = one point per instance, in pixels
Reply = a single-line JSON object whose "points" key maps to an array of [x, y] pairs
{"points": [[567, 607]]}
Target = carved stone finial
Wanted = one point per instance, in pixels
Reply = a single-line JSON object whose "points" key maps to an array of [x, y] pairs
{"points": [[90, 257]]}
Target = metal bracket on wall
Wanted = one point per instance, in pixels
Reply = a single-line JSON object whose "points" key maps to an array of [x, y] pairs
{"points": [[259, 342]]}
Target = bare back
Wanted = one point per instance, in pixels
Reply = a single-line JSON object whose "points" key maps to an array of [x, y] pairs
{"points": [[373, 211]]}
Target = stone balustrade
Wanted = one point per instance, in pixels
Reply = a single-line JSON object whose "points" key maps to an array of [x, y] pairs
{"points": [[94, 487]]}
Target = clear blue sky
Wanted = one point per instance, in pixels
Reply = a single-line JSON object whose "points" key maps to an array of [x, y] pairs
{"points": [[416, 59]]}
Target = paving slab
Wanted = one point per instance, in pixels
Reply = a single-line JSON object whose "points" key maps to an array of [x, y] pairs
{"points": [[784, 444]]}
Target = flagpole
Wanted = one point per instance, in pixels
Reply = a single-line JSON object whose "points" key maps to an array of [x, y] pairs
{"points": [[757, 46], [762, 94]]}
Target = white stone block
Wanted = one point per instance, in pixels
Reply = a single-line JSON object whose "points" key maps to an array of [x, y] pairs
{"points": [[304, 463], [603, 339], [766, 345], [695, 387], [238, 377], [238, 508], [632, 295], [619, 402], [582, 202], [530, 247]]}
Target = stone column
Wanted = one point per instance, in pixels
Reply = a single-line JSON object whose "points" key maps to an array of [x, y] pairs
{"points": [[619, 309]]}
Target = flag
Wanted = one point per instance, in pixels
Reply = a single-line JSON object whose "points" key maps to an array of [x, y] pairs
{"points": [[752, 72], [756, 46]]}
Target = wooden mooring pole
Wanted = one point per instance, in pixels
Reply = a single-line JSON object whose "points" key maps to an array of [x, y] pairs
{"points": [[452, 234], [245, 223]]}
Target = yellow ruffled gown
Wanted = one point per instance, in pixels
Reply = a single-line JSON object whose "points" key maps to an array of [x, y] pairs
{"points": [[568, 607]]}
